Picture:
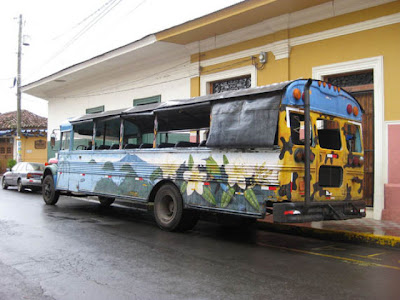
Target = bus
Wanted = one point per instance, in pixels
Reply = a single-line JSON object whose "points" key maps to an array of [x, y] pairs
{"points": [[291, 149]]}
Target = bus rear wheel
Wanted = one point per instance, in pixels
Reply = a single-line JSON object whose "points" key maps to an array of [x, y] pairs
{"points": [[106, 201], [50, 195], [168, 210]]}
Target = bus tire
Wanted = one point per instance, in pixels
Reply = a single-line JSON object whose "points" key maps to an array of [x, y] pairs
{"points": [[106, 201], [168, 208], [50, 195]]}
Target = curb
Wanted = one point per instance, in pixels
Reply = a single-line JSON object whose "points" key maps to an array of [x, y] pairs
{"points": [[333, 235]]}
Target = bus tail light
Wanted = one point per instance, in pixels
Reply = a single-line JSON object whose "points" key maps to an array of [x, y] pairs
{"points": [[355, 111], [299, 155], [297, 94], [356, 161], [292, 212], [349, 109]]}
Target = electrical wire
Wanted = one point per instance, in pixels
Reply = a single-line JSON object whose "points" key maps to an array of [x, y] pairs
{"points": [[83, 21], [93, 22]]}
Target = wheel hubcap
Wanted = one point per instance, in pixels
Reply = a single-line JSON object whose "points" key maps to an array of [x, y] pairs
{"points": [[47, 190], [167, 209]]}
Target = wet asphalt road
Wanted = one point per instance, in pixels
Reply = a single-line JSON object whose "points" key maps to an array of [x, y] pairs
{"points": [[79, 250]]}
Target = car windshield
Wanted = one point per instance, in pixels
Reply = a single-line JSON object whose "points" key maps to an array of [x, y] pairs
{"points": [[37, 167]]}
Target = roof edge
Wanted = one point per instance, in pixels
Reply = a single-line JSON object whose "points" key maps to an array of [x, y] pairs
{"points": [[138, 44], [213, 17]]}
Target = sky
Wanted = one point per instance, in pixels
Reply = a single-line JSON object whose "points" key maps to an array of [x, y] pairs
{"points": [[65, 32]]}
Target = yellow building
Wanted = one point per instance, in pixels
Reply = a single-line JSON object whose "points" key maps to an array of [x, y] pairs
{"points": [[351, 43], [33, 139]]}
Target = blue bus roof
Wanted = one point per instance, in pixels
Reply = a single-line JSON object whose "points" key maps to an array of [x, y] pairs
{"points": [[324, 98]]}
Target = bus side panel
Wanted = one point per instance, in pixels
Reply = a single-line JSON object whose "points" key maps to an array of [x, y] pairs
{"points": [[236, 182], [106, 172]]}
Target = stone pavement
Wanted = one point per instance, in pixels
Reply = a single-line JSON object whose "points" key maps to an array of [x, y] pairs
{"points": [[365, 230]]}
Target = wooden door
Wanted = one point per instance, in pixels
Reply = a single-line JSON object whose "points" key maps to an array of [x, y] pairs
{"points": [[6, 153], [366, 99]]}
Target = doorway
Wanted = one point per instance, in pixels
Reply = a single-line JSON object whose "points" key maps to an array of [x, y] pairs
{"points": [[361, 86], [6, 152]]}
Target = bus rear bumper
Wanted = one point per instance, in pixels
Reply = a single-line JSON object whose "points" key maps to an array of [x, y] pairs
{"points": [[298, 212]]}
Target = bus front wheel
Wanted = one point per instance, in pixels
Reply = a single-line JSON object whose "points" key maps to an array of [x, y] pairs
{"points": [[50, 195], [168, 210], [106, 201]]}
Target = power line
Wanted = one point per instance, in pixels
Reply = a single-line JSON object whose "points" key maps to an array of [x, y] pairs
{"points": [[93, 22], [83, 21]]}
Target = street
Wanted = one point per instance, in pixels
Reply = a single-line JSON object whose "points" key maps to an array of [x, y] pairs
{"points": [[79, 250]]}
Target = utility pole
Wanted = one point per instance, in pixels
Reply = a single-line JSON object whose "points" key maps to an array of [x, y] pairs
{"points": [[19, 90]]}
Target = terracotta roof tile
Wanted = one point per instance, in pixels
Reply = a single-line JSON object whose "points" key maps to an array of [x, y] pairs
{"points": [[28, 120]]}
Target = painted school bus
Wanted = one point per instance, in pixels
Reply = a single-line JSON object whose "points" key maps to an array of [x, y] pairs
{"points": [[244, 153]]}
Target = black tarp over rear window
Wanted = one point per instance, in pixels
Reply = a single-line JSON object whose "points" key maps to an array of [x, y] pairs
{"points": [[247, 122]]}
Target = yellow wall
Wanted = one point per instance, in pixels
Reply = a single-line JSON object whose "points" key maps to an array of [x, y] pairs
{"points": [[195, 87], [382, 41], [29, 153]]}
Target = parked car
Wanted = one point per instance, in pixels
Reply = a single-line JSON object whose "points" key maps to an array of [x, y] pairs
{"points": [[24, 175]]}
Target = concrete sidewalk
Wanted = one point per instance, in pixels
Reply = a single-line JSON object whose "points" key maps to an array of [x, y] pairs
{"points": [[365, 231]]}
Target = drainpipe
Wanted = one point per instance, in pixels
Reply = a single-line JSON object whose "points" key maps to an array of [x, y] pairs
{"points": [[307, 136]]}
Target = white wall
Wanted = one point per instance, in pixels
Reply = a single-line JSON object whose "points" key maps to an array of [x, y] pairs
{"points": [[171, 80]]}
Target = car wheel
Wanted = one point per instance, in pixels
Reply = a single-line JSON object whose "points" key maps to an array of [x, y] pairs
{"points": [[4, 184], [168, 210], [50, 195], [20, 187], [106, 201]]}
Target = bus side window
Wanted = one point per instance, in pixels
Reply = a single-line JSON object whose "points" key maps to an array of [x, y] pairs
{"points": [[329, 134], [83, 134], [353, 137], [107, 134], [65, 140], [297, 128]]}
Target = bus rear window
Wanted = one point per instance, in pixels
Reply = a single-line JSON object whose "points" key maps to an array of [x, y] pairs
{"points": [[297, 128], [329, 134], [353, 137]]}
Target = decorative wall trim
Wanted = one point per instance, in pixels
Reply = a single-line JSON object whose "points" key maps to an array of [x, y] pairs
{"points": [[344, 30], [281, 49], [380, 129], [286, 21], [205, 80]]}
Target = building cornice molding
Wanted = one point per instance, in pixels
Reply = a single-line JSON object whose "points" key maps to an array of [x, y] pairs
{"points": [[287, 21], [281, 49]]}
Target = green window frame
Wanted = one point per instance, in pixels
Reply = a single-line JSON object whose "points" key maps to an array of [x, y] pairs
{"points": [[94, 110], [147, 100]]}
